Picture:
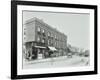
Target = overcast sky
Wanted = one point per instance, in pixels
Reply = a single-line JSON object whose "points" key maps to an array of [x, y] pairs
{"points": [[75, 26]]}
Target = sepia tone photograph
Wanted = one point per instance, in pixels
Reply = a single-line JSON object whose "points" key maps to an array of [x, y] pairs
{"points": [[55, 39]]}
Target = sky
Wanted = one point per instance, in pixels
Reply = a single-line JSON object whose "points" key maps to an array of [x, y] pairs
{"points": [[74, 25]]}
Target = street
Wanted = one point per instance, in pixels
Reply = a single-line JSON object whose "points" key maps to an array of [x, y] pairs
{"points": [[57, 62]]}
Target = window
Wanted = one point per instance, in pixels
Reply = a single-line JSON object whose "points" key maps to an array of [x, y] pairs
{"points": [[55, 36], [52, 43], [52, 35], [39, 29], [43, 31], [48, 33], [24, 32], [24, 28], [43, 40], [24, 38], [38, 39], [55, 43], [48, 42]]}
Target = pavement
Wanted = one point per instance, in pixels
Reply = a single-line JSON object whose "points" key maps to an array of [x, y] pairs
{"points": [[45, 60]]}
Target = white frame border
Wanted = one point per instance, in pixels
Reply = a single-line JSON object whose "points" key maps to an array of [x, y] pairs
{"points": [[21, 71]]}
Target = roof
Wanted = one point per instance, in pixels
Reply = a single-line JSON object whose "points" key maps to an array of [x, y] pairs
{"points": [[41, 21]]}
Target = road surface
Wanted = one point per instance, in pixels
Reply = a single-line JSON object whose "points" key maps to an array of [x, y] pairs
{"points": [[57, 62]]}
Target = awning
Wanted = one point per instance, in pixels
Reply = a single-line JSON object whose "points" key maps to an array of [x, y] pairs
{"points": [[52, 48], [39, 47]]}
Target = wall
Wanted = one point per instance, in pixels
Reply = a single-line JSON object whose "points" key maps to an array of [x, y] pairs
{"points": [[30, 31], [5, 41]]}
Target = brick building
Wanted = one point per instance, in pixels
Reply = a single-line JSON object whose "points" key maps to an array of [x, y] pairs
{"points": [[41, 38]]}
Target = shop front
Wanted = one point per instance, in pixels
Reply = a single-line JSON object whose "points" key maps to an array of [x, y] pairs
{"points": [[34, 51], [40, 51], [52, 51]]}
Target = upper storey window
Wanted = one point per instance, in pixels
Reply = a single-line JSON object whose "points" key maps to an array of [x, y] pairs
{"points": [[52, 35], [43, 40], [39, 29], [43, 31], [38, 39], [48, 33], [55, 36]]}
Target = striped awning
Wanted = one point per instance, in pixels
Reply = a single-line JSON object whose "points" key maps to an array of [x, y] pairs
{"points": [[39, 47], [52, 48]]}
